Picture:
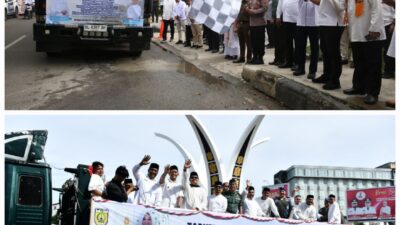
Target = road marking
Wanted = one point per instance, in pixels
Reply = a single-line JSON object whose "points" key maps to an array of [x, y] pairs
{"points": [[16, 41]]}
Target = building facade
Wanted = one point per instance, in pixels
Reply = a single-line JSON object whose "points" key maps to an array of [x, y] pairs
{"points": [[322, 181]]}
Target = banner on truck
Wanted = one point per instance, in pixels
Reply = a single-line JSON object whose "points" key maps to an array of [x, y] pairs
{"points": [[371, 204], [115, 213], [126, 12]]}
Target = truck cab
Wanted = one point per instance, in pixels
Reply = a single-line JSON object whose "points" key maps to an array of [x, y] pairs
{"points": [[27, 179], [63, 25]]}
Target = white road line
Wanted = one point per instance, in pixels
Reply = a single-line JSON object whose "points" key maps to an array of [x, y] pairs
{"points": [[16, 41]]}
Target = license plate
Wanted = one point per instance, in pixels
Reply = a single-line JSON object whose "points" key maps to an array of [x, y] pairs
{"points": [[101, 28]]}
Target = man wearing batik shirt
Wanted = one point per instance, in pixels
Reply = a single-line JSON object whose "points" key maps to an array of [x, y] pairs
{"points": [[267, 204], [195, 194], [367, 33], [149, 192], [172, 191], [217, 202]]}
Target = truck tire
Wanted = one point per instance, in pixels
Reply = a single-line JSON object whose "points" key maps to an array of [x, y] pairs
{"points": [[136, 53]]}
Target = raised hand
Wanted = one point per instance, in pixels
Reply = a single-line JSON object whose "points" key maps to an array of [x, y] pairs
{"points": [[187, 165], [248, 183], [166, 169], [145, 160]]}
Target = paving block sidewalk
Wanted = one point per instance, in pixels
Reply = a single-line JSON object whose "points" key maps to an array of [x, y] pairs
{"points": [[294, 92]]}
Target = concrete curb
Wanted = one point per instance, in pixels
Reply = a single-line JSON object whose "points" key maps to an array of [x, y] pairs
{"points": [[289, 92], [299, 96]]}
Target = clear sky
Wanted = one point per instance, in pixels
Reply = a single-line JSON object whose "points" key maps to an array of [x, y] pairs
{"points": [[348, 140]]}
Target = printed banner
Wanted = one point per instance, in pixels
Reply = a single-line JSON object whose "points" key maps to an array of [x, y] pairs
{"points": [[371, 204], [115, 213], [275, 189], [126, 12]]}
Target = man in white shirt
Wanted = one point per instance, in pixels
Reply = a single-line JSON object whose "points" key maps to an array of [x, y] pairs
{"points": [[354, 210], [217, 202], [296, 211], [180, 17], [385, 210], [250, 206], [330, 21], [389, 15], [172, 196], [168, 19], [96, 183], [308, 210], [149, 192], [367, 33], [368, 209], [289, 10], [267, 204], [195, 194], [307, 27], [334, 215]]}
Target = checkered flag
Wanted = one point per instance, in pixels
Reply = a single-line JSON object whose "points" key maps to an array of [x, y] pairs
{"points": [[218, 15]]}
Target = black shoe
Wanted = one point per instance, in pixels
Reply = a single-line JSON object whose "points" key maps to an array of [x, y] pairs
{"points": [[320, 80], [251, 61], [179, 42], [299, 72], [270, 46], [208, 49], [331, 86], [387, 75], [240, 60], [214, 51], [294, 68], [187, 45], [345, 61], [199, 47], [353, 91], [370, 99], [273, 62], [311, 76], [285, 65], [193, 46], [227, 57]]}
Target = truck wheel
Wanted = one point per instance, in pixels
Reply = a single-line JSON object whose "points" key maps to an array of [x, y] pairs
{"points": [[136, 53]]}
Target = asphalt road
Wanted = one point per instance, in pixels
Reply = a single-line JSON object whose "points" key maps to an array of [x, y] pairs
{"points": [[93, 79]]}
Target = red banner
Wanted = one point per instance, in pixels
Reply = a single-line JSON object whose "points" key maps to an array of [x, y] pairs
{"points": [[371, 204], [275, 189]]}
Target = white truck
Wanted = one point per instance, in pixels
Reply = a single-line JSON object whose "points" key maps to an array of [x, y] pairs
{"points": [[66, 24]]}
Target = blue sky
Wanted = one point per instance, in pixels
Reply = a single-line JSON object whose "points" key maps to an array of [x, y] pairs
{"points": [[348, 140]]}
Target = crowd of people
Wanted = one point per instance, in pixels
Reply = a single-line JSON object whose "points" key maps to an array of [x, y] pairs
{"points": [[168, 192], [340, 29]]}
